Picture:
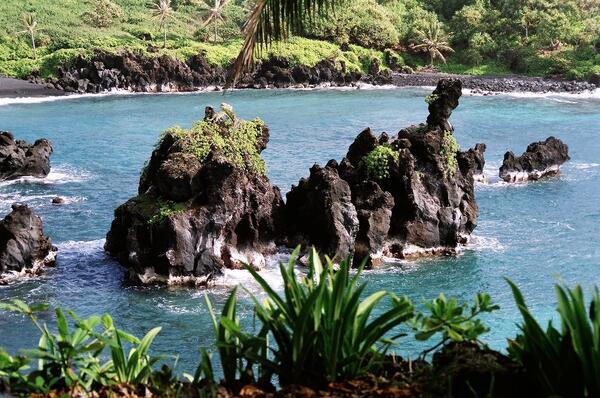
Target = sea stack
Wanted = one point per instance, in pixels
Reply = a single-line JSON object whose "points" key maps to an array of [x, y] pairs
{"points": [[541, 159], [19, 159], [24, 248], [204, 203], [403, 196]]}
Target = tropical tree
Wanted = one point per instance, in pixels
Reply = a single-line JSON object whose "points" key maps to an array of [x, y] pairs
{"points": [[214, 15], [29, 22], [434, 41], [275, 20], [163, 11]]}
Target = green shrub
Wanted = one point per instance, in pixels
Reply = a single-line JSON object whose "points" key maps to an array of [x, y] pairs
{"points": [[361, 22], [455, 322], [377, 162], [234, 138], [449, 150], [563, 362], [74, 358], [321, 328], [165, 210], [103, 13]]}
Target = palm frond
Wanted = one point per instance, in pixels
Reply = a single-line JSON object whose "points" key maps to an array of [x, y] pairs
{"points": [[275, 20]]}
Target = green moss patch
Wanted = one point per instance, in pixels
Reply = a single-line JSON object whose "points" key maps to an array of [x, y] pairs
{"points": [[236, 139], [377, 162]]}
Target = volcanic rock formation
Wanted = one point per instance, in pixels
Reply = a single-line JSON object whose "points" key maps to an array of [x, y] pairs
{"points": [[23, 245], [541, 159], [405, 196], [18, 158], [138, 72], [204, 204]]}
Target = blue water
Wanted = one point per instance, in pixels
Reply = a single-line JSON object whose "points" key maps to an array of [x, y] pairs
{"points": [[537, 234]]}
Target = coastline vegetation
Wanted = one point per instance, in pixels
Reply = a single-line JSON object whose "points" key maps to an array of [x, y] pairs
{"points": [[533, 37], [322, 329]]}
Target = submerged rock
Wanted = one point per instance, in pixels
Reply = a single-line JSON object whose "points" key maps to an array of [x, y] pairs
{"points": [[409, 195], [18, 158], [541, 159], [23, 245], [204, 203]]}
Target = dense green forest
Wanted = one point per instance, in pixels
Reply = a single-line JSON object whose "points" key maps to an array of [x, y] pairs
{"points": [[534, 37]]}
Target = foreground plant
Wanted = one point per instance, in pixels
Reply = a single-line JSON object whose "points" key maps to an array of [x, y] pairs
{"points": [[454, 321], [73, 358], [563, 362], [322, 328], [274, 20]]}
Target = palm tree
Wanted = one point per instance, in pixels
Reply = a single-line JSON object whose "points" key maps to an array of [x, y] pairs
{"points": [[163, 11], [434, 41], [214, 15], [29, 22], [274, 20]]}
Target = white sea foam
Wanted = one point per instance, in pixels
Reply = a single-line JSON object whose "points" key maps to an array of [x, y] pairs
{"points": [[480, 243], [555, 96], [82, 247], [586, 166], [62, 174]]}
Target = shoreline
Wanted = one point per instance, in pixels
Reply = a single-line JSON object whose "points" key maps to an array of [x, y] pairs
{"points": [[16, 89]]}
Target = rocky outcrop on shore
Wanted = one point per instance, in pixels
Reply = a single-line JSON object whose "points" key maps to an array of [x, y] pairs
{"points": [[474, 157], [541, 159], [204, 203], [24, 248], [137, 72], [402, 196], [18, 158], [500, 84]]}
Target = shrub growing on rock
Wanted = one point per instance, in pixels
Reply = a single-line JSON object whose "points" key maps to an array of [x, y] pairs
{"points": [[377, 162]]}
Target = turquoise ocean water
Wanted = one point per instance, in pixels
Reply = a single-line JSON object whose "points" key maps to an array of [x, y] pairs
{"points": [[537, 234]]}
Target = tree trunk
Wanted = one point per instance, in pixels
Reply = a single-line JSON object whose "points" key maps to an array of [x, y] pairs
{"points": [[33, 45]]}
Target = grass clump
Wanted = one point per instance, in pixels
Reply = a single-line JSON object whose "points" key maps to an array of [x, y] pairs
{"points": [[449, 150], [377, 162], [563, 362], [322, 328], [166, 209], [236, 139]]}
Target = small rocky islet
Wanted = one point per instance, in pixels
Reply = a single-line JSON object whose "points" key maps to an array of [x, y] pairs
{"points": [[24, 247], [202, 208], [205, 203]]}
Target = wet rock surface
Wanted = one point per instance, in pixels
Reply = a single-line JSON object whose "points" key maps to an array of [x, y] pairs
{"points": [[19, 158], [541, 159], [194, 216], [412, 194], [23, 245]]}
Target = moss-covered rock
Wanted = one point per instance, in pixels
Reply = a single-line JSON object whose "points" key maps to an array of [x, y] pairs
{"points": [[204, 203]]}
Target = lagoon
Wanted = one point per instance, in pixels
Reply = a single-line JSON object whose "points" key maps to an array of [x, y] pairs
{"points": [[537, 234]]}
